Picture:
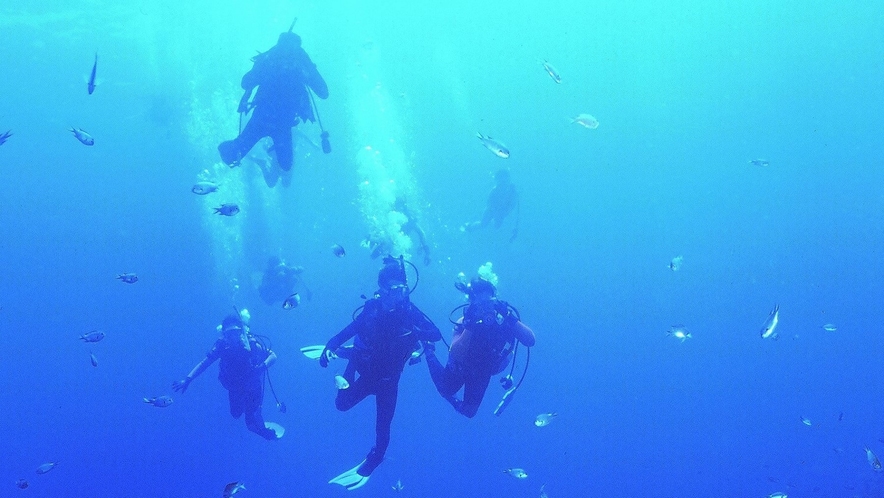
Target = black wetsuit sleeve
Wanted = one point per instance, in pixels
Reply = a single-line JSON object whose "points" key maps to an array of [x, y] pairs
{"points": [[313, 79], [423, 327], [345, 335]]}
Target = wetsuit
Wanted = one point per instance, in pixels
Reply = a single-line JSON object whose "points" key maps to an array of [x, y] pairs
{"points": [[481, 347], [384, 341], [243, 381], [282, 75]]}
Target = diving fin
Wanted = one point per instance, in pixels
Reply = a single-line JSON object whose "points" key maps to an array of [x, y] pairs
{"points": [[276, 428], [313, 352], [351, 479]]}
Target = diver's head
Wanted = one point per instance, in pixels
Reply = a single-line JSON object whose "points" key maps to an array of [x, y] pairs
{"points": [[393, 282], [232, 326], [288, 40], [481, 290]]}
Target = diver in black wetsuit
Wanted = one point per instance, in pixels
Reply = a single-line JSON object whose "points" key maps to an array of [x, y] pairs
{"points": [[283, 75], [244, 360], [385, 333], [502, 199]]}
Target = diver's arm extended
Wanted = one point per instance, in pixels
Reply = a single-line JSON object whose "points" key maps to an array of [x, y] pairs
{"points": [[181, 385], [524, 334], [313, 79], [269, 361]]}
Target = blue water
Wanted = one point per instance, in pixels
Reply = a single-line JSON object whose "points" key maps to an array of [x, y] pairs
{"points": [[686, 94]]}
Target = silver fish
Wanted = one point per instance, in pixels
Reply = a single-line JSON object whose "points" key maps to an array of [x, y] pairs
{"points": [[22, 484], [398, 487], [82, 136], [494, 146], [830, 327], [338, 251], [675, 263], [228, 209], [93, 359], [679, 332], [46, 467], [551, 71], [233, 488], [806, 421], [91, 85], [203, 188], [543, 492], [873, 460], [291, 302], [517, 473], [586, 121], [544, 419], [777, 495], [759, 162], [129, 278], [159, 401], [341, 383], [93, 336], [768, 330]]}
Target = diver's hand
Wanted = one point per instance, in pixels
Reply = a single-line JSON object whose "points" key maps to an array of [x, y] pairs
{"points": [[325, 357], [181, 385]]}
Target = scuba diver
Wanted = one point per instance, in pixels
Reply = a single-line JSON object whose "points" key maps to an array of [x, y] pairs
{"points": [[484, 343], [384, 245], [279, 281], [385, 334], [284, 76], [501, 202], [244, 363]]}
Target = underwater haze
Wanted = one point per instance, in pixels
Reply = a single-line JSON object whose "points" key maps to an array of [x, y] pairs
{"points": [[657, 218]]}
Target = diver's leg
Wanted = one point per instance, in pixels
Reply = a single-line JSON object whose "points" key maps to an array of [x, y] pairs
{"points": [[473, 392], [445, 378], [348, 398], [234, 150], [253, 398], [282, 145], [385, 401], [237, 403]]}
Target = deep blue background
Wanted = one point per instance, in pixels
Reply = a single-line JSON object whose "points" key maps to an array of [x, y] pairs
{"points": [[686, 94]]}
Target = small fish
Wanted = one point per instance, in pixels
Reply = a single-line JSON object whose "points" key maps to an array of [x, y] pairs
{"points": [[341, 383], [830, 327], [768, 330], [233, 488], [203, 188], [544, 419], [517, 473], [22, 484], [675, 263], [759, 162], [494, 146], [91, 85], [82, 136], [679, 332], [129, 278], [806, 421], [5, 136], [159, 401], [840, 416], [93, 359], [551, 71], [93, 336], [338, 251], [586, 121], [398, 487], [46, 467], [228, 209], [291, 302], [777, 495], [543, 492], [873, 460]]}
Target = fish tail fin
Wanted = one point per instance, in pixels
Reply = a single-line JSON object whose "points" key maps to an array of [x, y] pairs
{"points": [[479, 134], [146, 400]]}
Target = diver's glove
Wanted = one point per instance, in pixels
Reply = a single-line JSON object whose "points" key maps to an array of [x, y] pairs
{"points": [[181, 385], [326, 356]]}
